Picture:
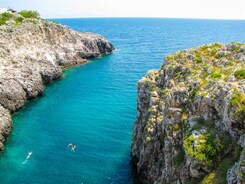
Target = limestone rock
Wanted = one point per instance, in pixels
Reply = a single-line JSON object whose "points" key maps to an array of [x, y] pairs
{"points": [[190, 116], [5, 125], [32, 54]]}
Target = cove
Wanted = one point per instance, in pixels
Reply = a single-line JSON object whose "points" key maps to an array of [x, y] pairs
{"points": [[94, 105]]}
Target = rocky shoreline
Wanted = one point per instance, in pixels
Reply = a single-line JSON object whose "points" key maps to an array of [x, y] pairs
{"points": [[34, 53], [190, 125]]}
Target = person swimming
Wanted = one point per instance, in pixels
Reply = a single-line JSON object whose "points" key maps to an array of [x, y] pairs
{"points": [[28, 156], [73, 147]]}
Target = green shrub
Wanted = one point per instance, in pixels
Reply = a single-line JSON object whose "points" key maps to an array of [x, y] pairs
{"points": [[29, 14], [240, 74], [2, 21], [4, 17], [204, 48], [146, 82], [153, 88], [216, 45], [176, 127], [18, 20], [198, 56], [216, 75], [235, 47], [7, 15], [209, 179], [150, 109], [219, 175], [199, 59], [213, 51], [238, 100], [205, 148], [164, 92]]}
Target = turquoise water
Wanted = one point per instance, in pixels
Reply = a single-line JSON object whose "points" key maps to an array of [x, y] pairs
{"points": [[94, 105]]}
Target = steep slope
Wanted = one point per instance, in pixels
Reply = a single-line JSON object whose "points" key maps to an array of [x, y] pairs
{"points": [[191, 118], [32, 53]]}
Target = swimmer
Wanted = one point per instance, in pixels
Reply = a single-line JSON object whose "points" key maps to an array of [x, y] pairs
{"points": [[73, 147], [29, 155]]}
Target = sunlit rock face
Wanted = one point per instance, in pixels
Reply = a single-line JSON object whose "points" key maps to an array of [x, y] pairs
{"points": [[191, 118]]}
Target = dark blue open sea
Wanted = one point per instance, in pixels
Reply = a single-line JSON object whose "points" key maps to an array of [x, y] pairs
{"points": [[94, 105]]}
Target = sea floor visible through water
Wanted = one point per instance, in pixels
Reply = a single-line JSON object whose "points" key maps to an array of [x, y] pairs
{"points": [[94, 105]]}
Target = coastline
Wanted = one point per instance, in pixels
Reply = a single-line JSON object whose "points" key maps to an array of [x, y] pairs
{"points": [[35, 53]]}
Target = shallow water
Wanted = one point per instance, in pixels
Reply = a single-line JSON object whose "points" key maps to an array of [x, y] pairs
{"points": [[94, 105]]}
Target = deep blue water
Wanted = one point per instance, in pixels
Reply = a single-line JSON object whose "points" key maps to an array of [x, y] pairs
{"points": [[94, 105]]}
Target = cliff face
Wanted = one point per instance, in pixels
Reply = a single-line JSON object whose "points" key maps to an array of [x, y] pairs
{"points": [[33, 53], [191, 118]]}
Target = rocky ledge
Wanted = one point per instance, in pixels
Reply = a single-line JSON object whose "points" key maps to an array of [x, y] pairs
{"points": [[190, 125], [33, 52]]}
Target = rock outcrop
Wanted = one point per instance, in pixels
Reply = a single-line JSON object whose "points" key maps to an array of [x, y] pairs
{"points": [[191, 118], [32, 53]]}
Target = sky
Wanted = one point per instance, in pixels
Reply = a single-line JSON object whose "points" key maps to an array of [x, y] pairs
{"points": [[214, 9]]}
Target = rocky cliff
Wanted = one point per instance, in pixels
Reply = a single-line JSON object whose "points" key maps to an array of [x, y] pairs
{"points": [[190, 125], [33, 52]]}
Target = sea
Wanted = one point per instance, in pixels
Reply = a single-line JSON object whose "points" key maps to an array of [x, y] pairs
{"points": [[93, 106]]}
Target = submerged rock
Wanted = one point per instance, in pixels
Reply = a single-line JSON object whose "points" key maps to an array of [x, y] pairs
{"points": [[191, 118], [33, 53]]}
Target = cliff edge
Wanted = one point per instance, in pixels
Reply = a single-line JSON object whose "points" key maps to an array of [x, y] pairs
{"points": [[190, 125], [33, 52]]}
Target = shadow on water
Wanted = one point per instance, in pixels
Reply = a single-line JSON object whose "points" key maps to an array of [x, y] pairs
{"points": [[122, 176]]}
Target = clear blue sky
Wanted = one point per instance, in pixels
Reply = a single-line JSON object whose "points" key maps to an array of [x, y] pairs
{"points": [[221, 9]]}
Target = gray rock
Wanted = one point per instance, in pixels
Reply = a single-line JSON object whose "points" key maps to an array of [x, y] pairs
{"points": [[5, 125]]}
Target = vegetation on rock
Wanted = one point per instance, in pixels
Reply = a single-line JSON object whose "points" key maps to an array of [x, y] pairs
{"points": [[191, 114], [4, 17], [29, 14], [240, 74], [206, 148], [18, 17]]}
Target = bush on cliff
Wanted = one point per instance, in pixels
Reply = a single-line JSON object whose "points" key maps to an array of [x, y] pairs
{"points": [[4, 17], [29, 14], [205, 148], [240, 74], [238, 100], [18, 20]]}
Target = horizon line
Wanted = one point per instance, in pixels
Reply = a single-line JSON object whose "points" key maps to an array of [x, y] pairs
{"points": [[199, 18]]}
